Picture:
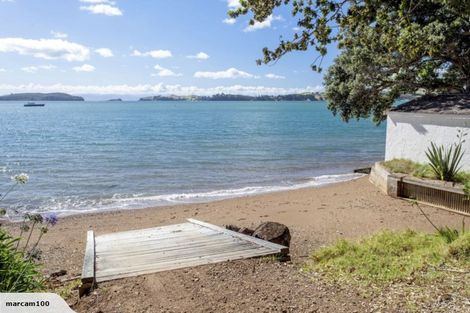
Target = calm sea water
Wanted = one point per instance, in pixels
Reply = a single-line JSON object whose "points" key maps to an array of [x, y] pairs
{"points": [[107, 155]]}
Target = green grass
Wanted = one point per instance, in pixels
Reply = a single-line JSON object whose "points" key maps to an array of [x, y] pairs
{"points": [[463, 177], [66, 291], [466, 189], [389, 256], [460, 248], [404, 166], [409, 167]]}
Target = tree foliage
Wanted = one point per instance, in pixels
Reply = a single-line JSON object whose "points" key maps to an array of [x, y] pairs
{"points": [[387, 48]]}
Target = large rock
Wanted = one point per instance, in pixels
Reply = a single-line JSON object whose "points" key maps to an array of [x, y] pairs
{"points": [[273, 232]]}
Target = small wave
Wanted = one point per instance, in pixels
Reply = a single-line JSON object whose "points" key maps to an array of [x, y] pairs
{"points": [[75, 205], [240, 192]]}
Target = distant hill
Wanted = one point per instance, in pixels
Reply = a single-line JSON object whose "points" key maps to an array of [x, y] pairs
{"points": [[311, 96], [40, 97]]}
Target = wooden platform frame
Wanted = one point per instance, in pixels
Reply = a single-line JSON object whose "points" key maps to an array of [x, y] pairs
{"points": [[88, 269], [243, 246]]}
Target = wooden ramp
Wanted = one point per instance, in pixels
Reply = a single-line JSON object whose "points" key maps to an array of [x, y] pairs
{"points": [[151, 250]]}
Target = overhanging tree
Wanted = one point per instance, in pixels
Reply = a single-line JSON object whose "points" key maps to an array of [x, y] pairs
{"points": [[387, 48]]}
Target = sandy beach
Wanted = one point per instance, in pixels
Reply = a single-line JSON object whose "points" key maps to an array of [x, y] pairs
{"points": [[315, 216], [134, 140]]}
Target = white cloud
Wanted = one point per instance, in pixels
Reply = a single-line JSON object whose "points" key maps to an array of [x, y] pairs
{"points": [[147, 89], [29, 69], [34, 69], [199, 56], [105, 52], [156, 54], [164, 72], [264, 24], [229, 21], [97, 1], [48, 49], [2, 70], [58, 34], [84, 68], [233, 4], [274, 76], [102, 8], [229, 73]]}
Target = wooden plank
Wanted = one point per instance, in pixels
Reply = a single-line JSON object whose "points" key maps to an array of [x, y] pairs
{"points": [[143, 241], [151, 244], [172, 255], [197, 246], [261, 242], [155, 238], [136, 260], [196, 261], [161, 248], [162, 230], [229, 255], [109, 248], [164, 266], [88, 271]]}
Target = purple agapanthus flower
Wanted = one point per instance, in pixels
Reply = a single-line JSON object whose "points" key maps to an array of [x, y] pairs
{"points": [[51, 218]]}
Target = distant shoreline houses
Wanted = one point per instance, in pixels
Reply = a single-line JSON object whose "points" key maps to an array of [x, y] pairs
{"points": [[313, 96]]}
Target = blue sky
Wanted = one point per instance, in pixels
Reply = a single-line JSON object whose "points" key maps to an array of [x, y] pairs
{"points": [[145, 47]]}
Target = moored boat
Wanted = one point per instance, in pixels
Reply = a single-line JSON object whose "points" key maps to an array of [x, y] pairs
{"points": [[32, 104]]}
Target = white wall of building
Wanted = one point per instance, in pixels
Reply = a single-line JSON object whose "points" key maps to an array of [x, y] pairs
{"points": [[410, 134]]}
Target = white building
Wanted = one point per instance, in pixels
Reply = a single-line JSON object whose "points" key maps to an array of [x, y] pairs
{"points": [[412, 126]]}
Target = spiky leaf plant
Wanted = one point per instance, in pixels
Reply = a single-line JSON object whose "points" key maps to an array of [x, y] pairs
{"points": [[445, 163]]}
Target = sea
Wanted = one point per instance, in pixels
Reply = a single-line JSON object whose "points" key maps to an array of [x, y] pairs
{"points": [[94, 156]]}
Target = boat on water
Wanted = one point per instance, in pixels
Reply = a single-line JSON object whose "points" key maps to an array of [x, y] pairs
{"points": [[33, 104]]}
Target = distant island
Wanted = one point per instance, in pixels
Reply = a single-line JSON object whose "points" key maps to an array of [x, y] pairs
{"points": [[57, 96], [311, 96]]}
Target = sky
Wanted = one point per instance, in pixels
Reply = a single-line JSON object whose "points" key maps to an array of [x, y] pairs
{"points": [[146, 47]]}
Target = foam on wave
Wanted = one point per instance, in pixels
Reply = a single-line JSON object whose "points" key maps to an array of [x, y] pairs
{"points": [[75, 206]]}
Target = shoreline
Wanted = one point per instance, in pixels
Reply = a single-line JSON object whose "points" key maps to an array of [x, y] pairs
{"points": [[205, 202], [341, 210], [210, 196]]}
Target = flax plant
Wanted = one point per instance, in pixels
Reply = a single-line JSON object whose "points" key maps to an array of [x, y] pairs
{"points": [[446, 162]]}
